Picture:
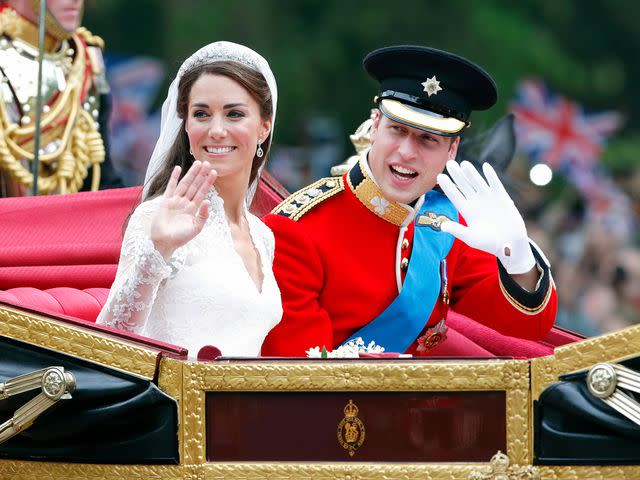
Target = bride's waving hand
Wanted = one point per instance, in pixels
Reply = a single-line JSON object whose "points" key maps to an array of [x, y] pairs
{"points": [[182, 209]]}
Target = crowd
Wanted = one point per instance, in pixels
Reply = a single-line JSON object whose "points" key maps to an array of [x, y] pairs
{"points": [[596, 266]]}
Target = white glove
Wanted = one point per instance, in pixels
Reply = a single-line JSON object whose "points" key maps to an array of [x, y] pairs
{"points": [[494, 223]]}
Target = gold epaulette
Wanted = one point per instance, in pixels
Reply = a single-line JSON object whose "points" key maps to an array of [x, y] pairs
{"points": [[296, 205], [90, 38]]}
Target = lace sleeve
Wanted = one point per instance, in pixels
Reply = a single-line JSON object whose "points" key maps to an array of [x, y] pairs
{"points": [[140, 271]]}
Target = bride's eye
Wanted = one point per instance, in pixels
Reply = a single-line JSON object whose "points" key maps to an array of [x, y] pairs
{"points": [[199, 114], [236, 114]]}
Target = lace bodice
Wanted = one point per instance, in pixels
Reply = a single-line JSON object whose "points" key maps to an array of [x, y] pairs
{"points": [[203, 295]]}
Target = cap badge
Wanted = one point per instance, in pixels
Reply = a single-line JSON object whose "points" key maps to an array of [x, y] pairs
{"points": [[431, 86]]}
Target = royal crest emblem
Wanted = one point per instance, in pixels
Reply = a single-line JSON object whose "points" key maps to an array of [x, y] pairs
{"points": [[351, 430], [431, 86]]}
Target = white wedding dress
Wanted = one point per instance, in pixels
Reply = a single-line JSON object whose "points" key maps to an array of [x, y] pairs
{"points": [[203, 295]]}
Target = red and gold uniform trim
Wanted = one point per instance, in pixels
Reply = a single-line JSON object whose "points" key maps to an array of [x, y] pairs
{"points": [[373, 198], [296, 205]]}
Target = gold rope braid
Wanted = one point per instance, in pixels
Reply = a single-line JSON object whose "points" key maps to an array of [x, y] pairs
{"points": [[90, 38], [86, 148], [81, 145]]}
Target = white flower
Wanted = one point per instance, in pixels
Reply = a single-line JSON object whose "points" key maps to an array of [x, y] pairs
{"points": [[352, 349], [380, 204], [314, 352]]}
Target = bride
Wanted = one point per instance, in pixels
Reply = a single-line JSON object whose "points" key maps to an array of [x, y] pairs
{"points": [[196, 267]]}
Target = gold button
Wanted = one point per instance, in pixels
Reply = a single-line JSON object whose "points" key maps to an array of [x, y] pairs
{"points": [[404, 264], [405, 244]]}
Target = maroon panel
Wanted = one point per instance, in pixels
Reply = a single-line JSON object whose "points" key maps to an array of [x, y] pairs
{"points": [[399, 426]]}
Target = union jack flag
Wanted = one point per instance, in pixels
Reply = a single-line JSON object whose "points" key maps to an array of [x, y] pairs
{"points": [[554, 130]]}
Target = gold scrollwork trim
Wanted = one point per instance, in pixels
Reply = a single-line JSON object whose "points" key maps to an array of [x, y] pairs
{"points": [[407, 472], [336, 471], [354, 376], [616, 345], [170, 377], [582, 355], [543, 374], [76, 341], [591, 473], [519, 431], [193, 416], [23, 470]]}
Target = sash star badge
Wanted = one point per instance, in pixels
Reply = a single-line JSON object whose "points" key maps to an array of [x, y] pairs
{"points": [[431, 86], [432, 337]]}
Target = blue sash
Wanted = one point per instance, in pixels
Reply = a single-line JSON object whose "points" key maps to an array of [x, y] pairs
{"points": [[401, 322]]}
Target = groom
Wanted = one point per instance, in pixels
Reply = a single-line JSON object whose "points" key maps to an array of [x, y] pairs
{"points": [[382, 253]]}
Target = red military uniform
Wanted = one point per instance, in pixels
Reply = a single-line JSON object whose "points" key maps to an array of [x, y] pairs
{"points": [[340, 262]]}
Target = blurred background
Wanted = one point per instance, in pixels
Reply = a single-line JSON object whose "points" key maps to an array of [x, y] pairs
{"points": [[568, 70]]}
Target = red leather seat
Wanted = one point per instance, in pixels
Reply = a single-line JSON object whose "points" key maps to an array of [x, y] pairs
{"points": [[73, 302]]}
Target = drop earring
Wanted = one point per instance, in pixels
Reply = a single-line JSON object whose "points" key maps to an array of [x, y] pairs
{"points": [[259, 151]]}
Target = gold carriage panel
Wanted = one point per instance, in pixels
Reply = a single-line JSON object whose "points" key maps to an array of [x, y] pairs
{"points": [[410, 411]]}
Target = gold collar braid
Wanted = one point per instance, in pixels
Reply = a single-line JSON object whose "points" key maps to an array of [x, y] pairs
{"points": [[63, 170], [15, 26], [372, 197]]}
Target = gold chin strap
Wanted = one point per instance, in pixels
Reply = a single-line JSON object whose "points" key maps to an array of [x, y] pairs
{"points": [[52, 25], [69, 129]]}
